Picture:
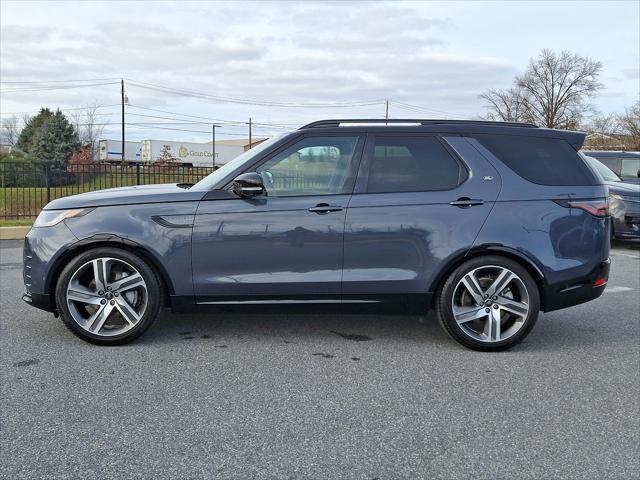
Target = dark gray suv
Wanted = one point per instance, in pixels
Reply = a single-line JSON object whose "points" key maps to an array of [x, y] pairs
{"points": [[488, 223]]}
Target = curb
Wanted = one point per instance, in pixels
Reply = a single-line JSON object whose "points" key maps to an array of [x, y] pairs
{"points": [[13, 233]]}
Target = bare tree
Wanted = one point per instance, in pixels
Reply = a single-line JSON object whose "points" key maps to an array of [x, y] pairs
{"points": [[559, 87], [553, 92], [629, 124], [10, 130], [87, 126], [603, 132], [507, 105]]}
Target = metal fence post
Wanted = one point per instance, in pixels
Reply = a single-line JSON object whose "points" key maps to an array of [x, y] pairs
{"points": [[47, 170]]}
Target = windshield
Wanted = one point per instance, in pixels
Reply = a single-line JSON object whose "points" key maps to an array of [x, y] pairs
{"points": [[605, 172], [210, 180]]}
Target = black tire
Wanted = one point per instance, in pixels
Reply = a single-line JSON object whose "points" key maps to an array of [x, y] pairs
{"points": [[445, 310], [155, 297]]}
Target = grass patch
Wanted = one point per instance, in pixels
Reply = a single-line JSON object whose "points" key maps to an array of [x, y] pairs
{"points": [[17, 223]]}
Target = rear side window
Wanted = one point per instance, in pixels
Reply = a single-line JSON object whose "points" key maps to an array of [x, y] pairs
{"points": [[546, 161], [411, 164], [630, 167], [612, 163]]}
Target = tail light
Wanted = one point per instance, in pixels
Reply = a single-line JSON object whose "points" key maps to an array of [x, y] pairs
{"points": [[597, 207], [600, 282]]}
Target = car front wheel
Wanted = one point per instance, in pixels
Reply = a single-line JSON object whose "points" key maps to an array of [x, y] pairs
{"points": [[108, 296], [489, 303]]}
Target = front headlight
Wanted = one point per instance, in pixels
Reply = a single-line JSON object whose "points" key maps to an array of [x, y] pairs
{"points": [[616, 196], [49, 218]]}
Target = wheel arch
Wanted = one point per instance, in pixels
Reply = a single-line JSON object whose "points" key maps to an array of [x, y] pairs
{"points": [[100, 241], [496, 250]]}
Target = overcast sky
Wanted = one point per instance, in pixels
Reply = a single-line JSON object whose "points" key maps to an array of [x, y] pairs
{"points": [[438, 56]]}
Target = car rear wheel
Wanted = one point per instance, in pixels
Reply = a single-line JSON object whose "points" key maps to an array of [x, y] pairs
{"points": [[489, 303], [108, 296]]}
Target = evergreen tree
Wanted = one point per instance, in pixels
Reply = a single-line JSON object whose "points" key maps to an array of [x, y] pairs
{"points": [[31, 127], [55, 141]]}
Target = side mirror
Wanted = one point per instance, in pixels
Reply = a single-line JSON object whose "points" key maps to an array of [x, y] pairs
{"points": [[248, 185]]}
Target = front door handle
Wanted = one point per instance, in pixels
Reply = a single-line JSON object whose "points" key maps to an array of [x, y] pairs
{"points": [[466, 202], [323, 208]]}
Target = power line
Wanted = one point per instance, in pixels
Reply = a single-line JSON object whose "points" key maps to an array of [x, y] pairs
{"points": [[416, 108], [178, 122], [208, 132], [62, 110], [62, 81], [244, 101], [51, 87], [208, 120], [216, 120]]}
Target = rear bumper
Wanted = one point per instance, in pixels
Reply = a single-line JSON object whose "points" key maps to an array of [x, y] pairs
{"points": [[577, 291], [627, 227]]}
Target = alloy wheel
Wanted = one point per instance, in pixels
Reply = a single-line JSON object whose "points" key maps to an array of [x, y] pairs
{"points": [[490, 304], [107, 296]]}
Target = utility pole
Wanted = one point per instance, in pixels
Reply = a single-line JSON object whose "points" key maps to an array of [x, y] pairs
{"points": [[386, 111], [250, 143], [122, 98], [213, 146]]}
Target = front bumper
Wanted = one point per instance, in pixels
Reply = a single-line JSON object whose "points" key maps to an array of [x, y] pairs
{"points": [[625, 215], [577, 291], [43, 302], [42, 248]]}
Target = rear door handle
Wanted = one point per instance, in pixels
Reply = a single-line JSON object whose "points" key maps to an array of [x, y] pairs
{"points": [[465, 202], [323, 208]]}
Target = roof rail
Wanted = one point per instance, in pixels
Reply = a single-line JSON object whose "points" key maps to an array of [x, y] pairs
{"points": [[386, 121]]}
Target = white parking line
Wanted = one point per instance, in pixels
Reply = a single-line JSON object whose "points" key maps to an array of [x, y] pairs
{"points": [[618, 254], [616, 289]]}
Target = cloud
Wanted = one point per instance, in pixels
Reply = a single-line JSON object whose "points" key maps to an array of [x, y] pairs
{"points": [[18, 34], [417, 53], [631, 73]]}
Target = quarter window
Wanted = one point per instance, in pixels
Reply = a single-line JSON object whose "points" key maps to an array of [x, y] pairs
{"points": [[312, 166], [541, 160], [412, 164]]}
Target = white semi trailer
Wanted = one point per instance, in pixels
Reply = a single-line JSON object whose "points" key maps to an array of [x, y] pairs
{"points": [[195, 154], [111, 151]]}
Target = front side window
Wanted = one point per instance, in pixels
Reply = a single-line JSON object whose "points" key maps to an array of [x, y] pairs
{"points": [[214, 178], [411, 164], [312, 166]]}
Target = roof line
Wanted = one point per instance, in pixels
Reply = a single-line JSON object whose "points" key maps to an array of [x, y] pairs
{"points": [[387, 121]]}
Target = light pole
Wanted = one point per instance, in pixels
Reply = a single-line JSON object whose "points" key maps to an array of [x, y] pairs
{"points": [[122, 99], [213, 145]]}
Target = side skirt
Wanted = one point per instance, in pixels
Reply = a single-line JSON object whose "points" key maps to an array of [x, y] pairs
{"points": [[370, 304]]}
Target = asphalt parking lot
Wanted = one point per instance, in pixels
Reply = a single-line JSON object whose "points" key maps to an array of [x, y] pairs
{"points": [[324, 396]]}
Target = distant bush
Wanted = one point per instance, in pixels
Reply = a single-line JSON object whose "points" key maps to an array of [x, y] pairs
{"points": [[18, 169], [82, 162]]}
